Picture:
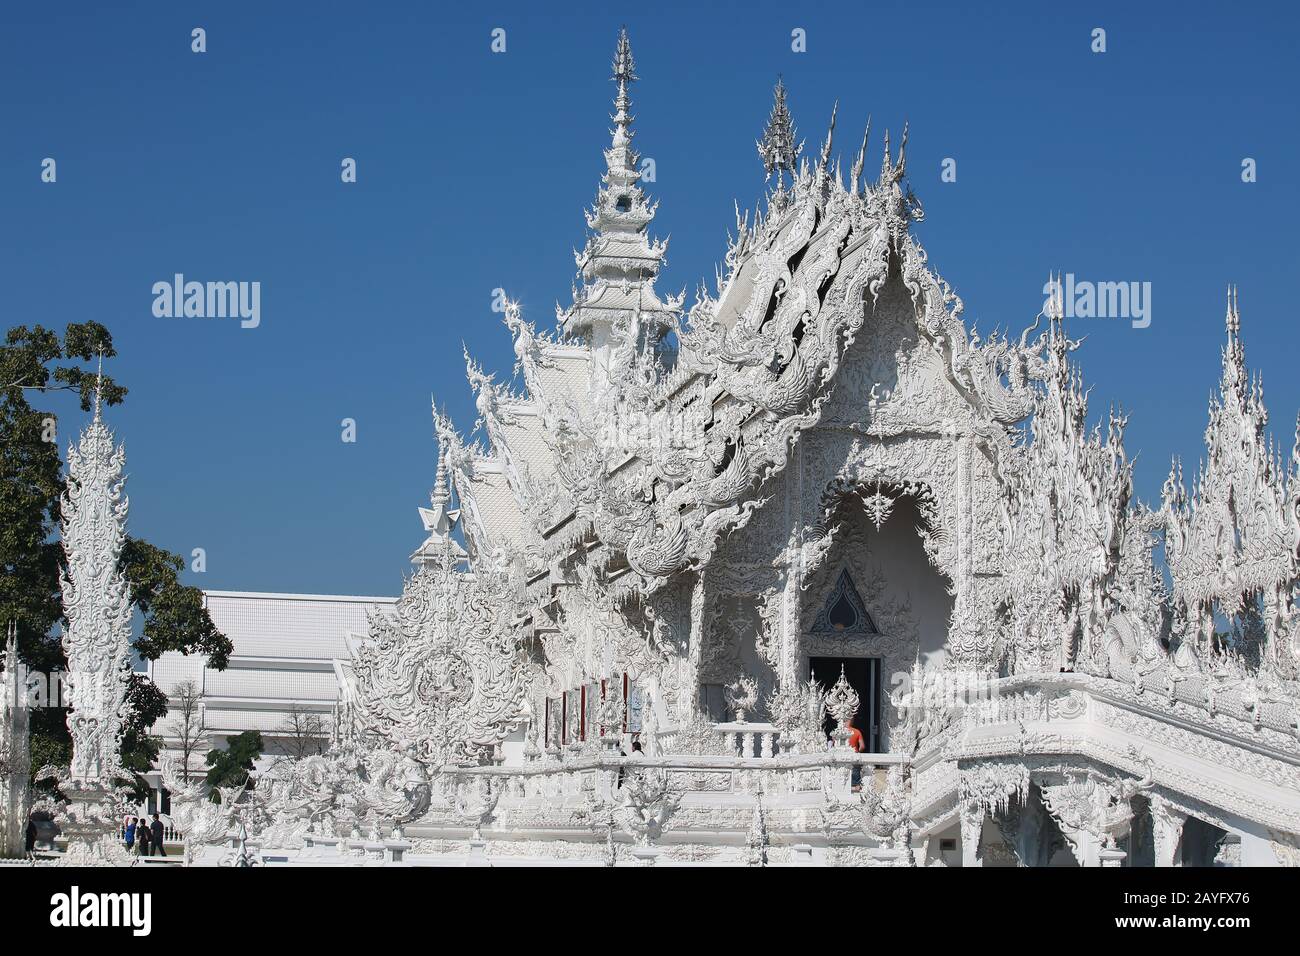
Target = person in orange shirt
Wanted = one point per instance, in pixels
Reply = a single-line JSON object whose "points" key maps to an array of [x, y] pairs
{"points": [[856, 741], [857, 744]]}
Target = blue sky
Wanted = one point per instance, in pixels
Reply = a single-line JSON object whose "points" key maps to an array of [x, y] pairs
{"points": [[474, 169]]}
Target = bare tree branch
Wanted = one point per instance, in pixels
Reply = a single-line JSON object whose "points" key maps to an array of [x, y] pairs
{"points": [[304, 733], [188, 725]]}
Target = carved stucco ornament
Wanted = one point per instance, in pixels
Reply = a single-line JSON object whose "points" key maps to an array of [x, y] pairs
{"points": [[443, 671]]}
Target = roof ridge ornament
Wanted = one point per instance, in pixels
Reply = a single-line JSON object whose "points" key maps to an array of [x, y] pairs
{"points": [[624, 64], [855, 178], [777, 148], [824, 160]]}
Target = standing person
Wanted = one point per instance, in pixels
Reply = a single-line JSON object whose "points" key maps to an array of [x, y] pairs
{"points": [[156, 836], [858, 744], [30, 836], [141, 839], [130, 834]]}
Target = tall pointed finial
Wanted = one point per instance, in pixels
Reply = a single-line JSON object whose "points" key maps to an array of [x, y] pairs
{"points": [[1233, 319], [441, 488], [622, 157], [99, 384], [624, 65], [860, 163], [825, 158], [1055, 302], [777, 148], [619, 251]]}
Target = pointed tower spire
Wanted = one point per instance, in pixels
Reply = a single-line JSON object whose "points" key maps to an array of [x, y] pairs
{"points": [[441, 492], [825, 158], [96, 640], [99, 385], [440, 521], [860, 163], [618, 267], [777, 148], [621, 155]]}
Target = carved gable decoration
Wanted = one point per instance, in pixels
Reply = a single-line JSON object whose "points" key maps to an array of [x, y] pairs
{"points": [[844, 611], [444, 672]]}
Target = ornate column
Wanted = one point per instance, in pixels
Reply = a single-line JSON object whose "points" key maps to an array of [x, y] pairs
{"points": [[972, 827], [97, 642], [14, 753], [792, 590], [689, 687], [1167, 823], [791, 594]]}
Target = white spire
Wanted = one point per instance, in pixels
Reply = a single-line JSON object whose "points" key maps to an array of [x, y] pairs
{"points": [[99, 385], [440, 521], [777, 148], [96, 603], [619, 264]]}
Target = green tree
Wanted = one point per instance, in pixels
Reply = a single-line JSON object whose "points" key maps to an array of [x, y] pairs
{"points": [[36, 362], [232, 767]]}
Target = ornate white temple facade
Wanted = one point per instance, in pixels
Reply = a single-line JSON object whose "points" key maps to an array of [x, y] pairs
{"points": [[810, 573], [815, 501]]}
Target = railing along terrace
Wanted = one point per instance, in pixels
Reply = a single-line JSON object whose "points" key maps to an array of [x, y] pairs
{"points": [[557, 775], [750, 739], [170, 833]]}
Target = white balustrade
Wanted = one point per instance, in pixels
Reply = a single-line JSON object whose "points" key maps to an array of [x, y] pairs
{"points": [[749, 739]]}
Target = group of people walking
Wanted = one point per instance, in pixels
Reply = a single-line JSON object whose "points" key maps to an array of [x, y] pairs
{"points": [[144, 838]]}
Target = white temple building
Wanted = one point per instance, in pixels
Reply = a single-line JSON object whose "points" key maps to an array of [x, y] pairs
{"points": [[283, 677], [864, 587], [807, 573]]}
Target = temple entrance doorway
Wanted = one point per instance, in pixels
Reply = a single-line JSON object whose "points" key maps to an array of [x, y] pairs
{"points": [[863, 674]]}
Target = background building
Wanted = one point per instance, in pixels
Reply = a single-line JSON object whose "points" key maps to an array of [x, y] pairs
{"points": [[282, 677]]}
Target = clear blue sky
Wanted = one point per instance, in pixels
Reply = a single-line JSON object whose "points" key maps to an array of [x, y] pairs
{"points": [[474, 169]]}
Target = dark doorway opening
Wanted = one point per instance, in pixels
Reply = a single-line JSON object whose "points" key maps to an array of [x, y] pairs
{"points": [[863, 674]]}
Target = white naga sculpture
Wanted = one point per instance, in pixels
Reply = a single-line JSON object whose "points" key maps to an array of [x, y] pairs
{"points": [[680, 526]]}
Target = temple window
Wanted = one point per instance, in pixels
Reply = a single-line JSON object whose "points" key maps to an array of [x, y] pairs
{"points": [[844, 610]]}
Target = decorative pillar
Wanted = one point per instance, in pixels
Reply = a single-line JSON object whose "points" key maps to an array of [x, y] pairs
{"points": [[689, 689], [1167, 823], [15, 755], [97, 642], [791, 624], [792, 589], [972, 827]]}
